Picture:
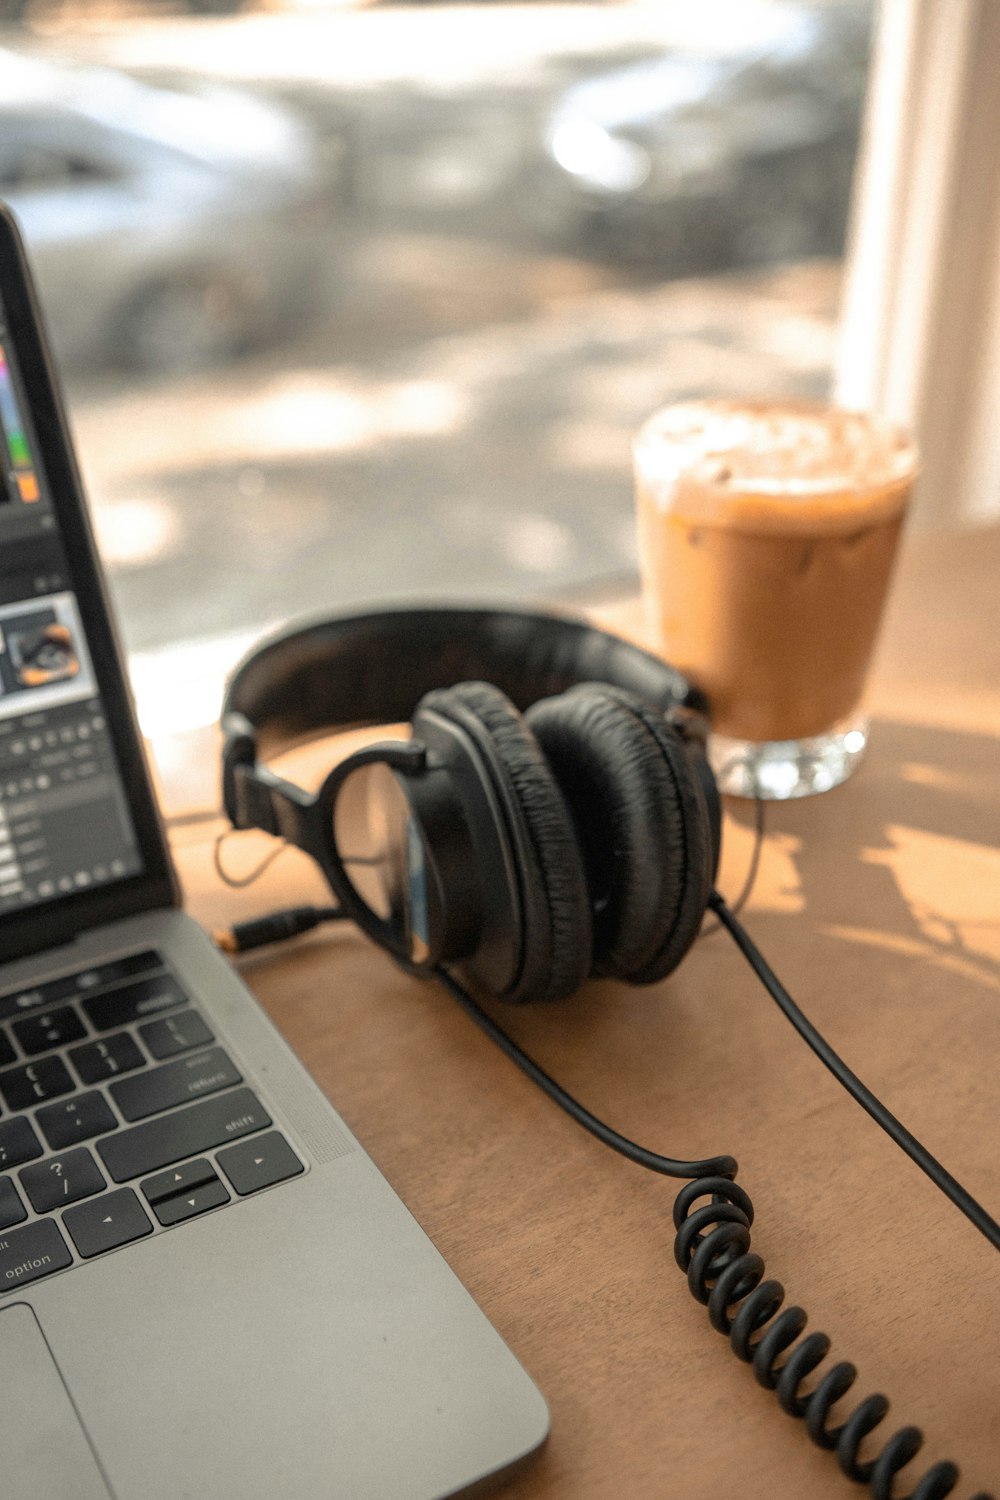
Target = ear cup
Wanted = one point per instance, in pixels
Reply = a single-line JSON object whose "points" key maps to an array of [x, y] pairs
{"points": [[642, 823], [553, 886]]}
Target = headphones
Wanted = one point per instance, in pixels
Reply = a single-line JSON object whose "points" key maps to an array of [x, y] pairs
{"points": [[552, 814]]}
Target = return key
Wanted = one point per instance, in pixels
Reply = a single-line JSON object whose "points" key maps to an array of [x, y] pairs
{"points": [[175, 1083]]}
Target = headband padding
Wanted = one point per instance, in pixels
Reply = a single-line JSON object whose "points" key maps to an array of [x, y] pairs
{"points": [[374, 668], [557, 940]]}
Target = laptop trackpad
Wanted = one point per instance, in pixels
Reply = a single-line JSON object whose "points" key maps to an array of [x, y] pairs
{"points": [[45, 1452]]}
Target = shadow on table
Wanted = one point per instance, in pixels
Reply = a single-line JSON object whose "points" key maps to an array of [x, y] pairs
{"points": [[909, 849]]}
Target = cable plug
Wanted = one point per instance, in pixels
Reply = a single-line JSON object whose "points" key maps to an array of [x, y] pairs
{"points": [[276, 927]]}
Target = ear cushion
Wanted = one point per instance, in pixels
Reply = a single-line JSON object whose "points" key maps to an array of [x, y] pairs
{"points": [[642, 823], [557, 935]]}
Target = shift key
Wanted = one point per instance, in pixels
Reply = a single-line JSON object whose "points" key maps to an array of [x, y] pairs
{"points": [[174, 1083], [186, 1132]]}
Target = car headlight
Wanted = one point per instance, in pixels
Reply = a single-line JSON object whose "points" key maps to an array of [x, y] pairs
{"points": [[599, 160]]}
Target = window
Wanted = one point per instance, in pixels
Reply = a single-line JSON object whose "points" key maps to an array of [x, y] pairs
{"points": [[392, 338]]}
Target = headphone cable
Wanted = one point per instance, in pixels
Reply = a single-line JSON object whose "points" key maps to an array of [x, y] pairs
{"points": [[713, 1166], [712, 1243], [939, 1175], [293, 921], [274, 927], [712, 1247], [725, 1166], [750, 879]]}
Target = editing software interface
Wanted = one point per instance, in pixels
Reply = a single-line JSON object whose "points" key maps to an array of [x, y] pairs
{"points": [[64, 821]]}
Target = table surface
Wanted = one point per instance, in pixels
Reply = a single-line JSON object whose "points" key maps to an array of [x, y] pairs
{"points": [[877, 905]]}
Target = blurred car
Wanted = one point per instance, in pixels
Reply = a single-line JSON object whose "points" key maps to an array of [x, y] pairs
{"points": [[723, 157], [168, 228]]}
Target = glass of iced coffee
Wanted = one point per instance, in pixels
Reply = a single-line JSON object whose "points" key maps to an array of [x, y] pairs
{"points": [[767, 535]]}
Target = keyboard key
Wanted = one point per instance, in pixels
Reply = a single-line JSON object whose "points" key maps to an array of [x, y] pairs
{"points": [[12, 1210], [76, 1119], [116, 1219], [18, 1143], [96, 1061], [33, 1083], [132, 1002], [30, 1253], [188, 1205], [61, 1179], [186, 1132], [175, 1083], [180, 1179], [99, 976], [33, 999], [54, 1029], [259, 1163], [177, 1033], [7, 1053]]}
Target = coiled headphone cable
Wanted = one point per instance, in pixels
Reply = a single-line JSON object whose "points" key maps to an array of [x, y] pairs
{"points": [[712, 1247], [712, 1242]]}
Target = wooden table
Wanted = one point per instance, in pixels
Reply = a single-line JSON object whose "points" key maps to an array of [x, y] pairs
{"points": [[878, 905]]}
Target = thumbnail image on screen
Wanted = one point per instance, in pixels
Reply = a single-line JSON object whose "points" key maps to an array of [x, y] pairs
{"points": [[43, 657]]}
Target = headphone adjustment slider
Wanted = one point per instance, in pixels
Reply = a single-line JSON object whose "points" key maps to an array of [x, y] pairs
{"points": [[253, 803]]}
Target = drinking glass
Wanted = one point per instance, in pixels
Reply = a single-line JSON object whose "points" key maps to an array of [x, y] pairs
{"points": [[767, 536]]}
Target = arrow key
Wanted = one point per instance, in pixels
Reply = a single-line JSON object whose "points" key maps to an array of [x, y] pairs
{"points": [[259, 1163], [187, 1205], [184, 1191], [105, 1223], [180, 1179]]}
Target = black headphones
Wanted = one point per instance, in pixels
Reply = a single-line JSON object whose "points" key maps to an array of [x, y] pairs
{"points": [[552, 815]]}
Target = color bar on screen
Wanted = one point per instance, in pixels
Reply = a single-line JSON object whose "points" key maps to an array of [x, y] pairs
{"points": [[17, 442]]}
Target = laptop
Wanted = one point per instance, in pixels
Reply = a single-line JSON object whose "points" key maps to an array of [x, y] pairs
{"points": [[207, 1289]]}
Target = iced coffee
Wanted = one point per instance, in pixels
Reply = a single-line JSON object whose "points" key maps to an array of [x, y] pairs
{"points": [[767, 534]]}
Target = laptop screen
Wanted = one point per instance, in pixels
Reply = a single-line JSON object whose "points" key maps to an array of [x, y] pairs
{"points": [[76, 815], [64, 819]]}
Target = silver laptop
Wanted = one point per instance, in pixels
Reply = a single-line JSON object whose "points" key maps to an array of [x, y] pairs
{"points": [[207, 1289]]}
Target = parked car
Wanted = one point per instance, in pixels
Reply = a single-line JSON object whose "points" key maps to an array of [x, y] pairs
{"points": [[169, 228], [719, 157]]}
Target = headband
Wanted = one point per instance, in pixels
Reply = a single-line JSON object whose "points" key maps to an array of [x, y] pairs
{"points": [[374, 668]]}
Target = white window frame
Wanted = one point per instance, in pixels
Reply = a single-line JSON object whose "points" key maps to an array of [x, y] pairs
{"points": [[920, 323]]}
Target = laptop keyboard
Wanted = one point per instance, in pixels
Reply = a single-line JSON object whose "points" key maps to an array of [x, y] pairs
{"points": [[120, 1116]]}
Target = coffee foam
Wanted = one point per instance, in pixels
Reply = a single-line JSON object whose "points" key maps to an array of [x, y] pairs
{"points": [[774, 465]]}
